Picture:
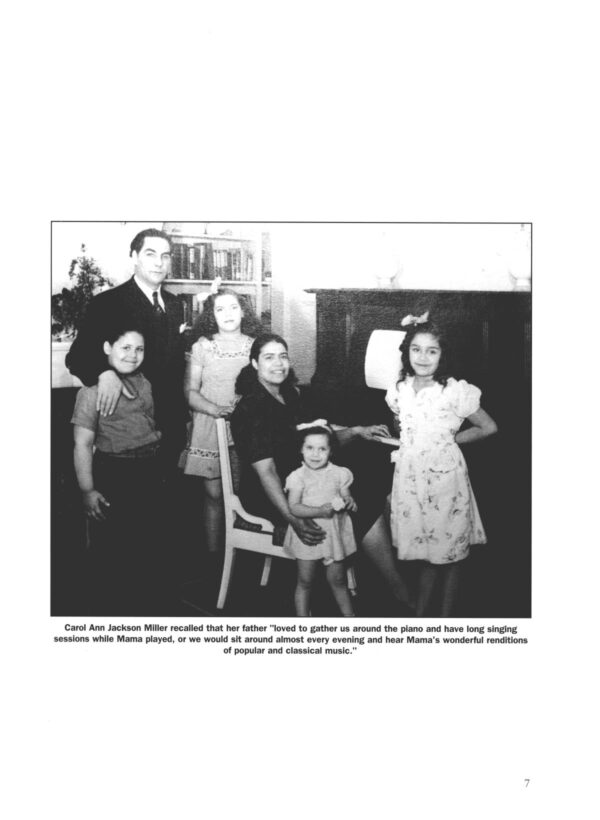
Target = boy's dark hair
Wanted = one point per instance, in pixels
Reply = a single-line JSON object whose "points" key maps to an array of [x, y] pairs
{"points": [[137, 243], [443, 373], [117, 329], [206, 324]]}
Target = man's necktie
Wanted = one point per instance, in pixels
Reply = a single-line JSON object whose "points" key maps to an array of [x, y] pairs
{"points": [[158, 311]]}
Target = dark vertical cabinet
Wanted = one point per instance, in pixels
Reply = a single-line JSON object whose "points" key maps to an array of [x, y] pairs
{"points": [[491, 347]]}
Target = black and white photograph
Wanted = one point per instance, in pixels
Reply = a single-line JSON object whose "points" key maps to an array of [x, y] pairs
{"points": [[354, 397]]}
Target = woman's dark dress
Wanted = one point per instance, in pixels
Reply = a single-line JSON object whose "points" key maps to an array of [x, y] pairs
{"points": [[264, 428]]}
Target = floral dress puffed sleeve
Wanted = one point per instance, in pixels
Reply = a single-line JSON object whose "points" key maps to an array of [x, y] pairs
{"points": [[464, 397]]}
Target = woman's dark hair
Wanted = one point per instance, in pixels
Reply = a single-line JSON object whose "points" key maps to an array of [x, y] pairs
{"points": [[115, 330], [206, 324], [443, 373], [248, 376], [261, 341]]}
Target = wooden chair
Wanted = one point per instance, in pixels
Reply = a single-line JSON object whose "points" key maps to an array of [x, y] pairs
{"points": [[236, 538]]}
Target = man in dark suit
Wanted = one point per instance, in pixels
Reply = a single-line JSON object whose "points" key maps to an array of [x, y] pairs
{"points": [[144, 304]]}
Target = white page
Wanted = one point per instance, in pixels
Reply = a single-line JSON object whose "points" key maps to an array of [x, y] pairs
{"points": [[432, 112]]}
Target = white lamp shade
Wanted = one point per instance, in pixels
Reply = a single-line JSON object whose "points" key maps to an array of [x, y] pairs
{"points": [[383, 360]]}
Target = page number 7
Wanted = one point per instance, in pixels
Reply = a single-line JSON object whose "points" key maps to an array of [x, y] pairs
{"points": [[527, 781]]}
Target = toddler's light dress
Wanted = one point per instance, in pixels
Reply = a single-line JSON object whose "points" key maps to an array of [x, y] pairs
{"points": [[321, 487], [434, 515]]}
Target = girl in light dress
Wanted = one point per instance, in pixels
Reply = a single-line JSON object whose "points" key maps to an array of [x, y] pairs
{"points": [[320, 491], [226, 328], [434, 515]]}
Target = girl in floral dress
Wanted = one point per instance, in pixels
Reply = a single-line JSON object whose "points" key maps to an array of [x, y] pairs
{"points": [[434, 515], [226, 328]]}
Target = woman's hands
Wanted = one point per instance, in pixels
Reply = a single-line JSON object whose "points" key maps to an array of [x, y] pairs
{"points": [[307, 530], [372, 432]]}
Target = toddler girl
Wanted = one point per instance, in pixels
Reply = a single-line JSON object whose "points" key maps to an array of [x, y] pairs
{"points": [[434, 515], [226, 329], [118, 475], [321, 490]]}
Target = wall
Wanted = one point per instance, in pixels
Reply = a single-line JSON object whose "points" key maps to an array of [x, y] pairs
{"points": [[423, 256], [332, 255], [107, 242]]}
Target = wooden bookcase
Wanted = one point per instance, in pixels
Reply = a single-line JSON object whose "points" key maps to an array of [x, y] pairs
{"points": [[198, 258]]}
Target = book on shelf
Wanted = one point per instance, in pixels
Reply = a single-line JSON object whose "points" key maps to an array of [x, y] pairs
{"points": [[197, 260], [189, 303], [209, 262], [180, 262], [203, 261], [236, 265], [223, 263], [219, 257]]}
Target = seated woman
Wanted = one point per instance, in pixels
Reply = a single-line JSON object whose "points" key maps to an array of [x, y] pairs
{"points": [[263, 425]]}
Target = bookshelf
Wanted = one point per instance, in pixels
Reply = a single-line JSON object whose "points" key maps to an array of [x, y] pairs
{"points": [[243, 263]]}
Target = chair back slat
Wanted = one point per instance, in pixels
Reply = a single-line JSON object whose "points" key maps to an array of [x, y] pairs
{"points": [[226, 475]]}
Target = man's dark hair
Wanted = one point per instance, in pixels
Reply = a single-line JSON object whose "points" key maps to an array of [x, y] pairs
{"points": [[137, 242]]}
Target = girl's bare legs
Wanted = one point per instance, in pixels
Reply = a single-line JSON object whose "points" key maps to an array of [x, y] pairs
{"points": [[306, 576], [377, 545], [336, 578], [213, 514], [450, 578], [426, 583]]}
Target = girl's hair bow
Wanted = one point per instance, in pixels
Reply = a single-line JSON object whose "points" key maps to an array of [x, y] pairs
{"points": [[414, 320], [214, 288], [317, 423]]}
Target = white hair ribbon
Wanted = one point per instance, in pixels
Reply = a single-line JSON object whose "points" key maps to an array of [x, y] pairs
{"points": [[317, 423], [414, 320]]}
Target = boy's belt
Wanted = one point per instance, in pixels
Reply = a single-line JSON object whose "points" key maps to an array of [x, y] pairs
{"points": [[145, 451]]}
